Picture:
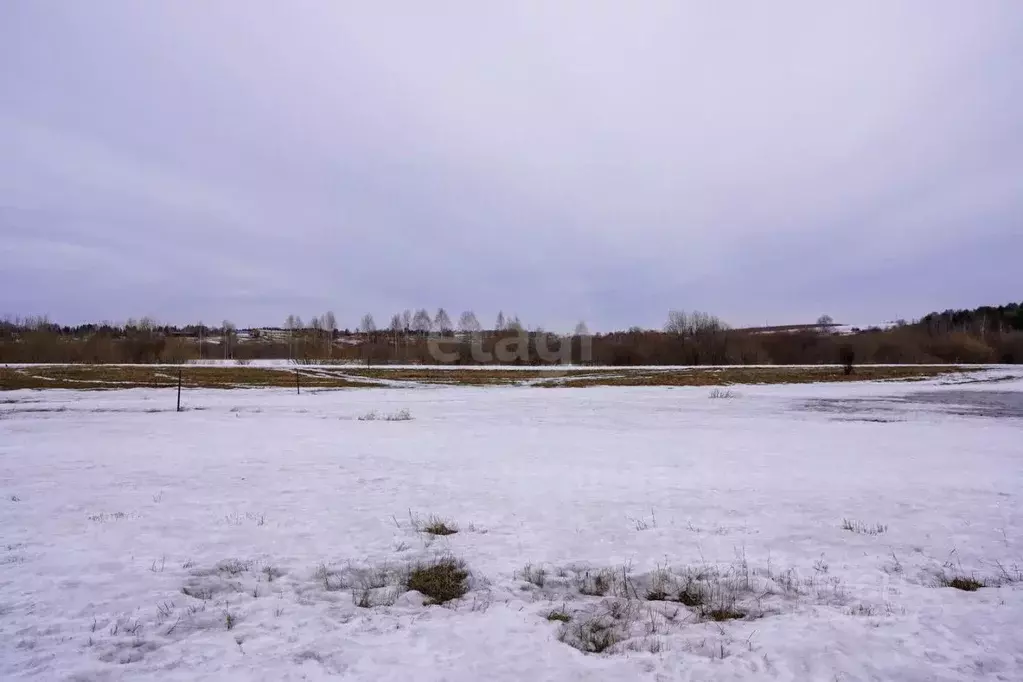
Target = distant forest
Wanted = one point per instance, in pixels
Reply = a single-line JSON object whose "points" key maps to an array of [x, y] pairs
{"points": [[989, 334]]}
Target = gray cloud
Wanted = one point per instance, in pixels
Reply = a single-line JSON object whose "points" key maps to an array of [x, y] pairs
{"points": [[564, 161]]}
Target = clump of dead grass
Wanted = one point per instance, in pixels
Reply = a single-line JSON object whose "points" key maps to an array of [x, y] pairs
{"points": [[592, 635], [440, 580], [333, 580], [558, 616], [437, 526], [961, 582], [432, 525], [861, 528], [596, 583], [402, 415], [722, 394], [535, 575], [955, 576], [662, 586]]}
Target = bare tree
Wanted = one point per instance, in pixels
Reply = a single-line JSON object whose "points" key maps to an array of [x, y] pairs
{"points": [[678, 323], [685, 324], [581, 329], [824, 323], [442, 323], [317, 328], [330, 324], [229, 333], [500, 324], [513, 324], [291, 324], [421, 322], [406, 320], [468, 324], [367, 325], [705, 322], [396, 329]]}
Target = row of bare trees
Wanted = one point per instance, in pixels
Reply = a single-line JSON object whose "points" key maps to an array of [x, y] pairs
{"points": [[985, 335], [422, 322]]}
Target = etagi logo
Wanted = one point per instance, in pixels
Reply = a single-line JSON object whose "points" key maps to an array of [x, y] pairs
{"points": [[520, 346]]}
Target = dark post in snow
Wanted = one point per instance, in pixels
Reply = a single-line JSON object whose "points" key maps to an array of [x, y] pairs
{"points": [[298, 382], [179, 390]]}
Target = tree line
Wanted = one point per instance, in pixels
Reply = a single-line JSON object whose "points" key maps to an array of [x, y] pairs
{"points": [[990, 334]]}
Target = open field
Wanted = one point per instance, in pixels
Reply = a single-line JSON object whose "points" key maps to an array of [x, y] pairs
{"points": [[98, 377], [821, 531]]}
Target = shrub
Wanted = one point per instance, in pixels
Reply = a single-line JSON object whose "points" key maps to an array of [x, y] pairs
{"points": [[847, 356]]}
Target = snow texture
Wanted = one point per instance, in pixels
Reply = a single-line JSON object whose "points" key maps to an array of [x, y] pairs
{"points": [[266, 535]]}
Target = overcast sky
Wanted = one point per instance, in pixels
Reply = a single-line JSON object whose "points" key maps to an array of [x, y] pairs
{"points": [[606, 162]]}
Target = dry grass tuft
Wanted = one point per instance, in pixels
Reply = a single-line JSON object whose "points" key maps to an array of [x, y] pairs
{"points": [[594, 635], [440, 581], [431, 525], [691, 595], [861, 528], [596, 584], [721, 614], [963, 583], [437, 526], [559, 616], [535, 575]]}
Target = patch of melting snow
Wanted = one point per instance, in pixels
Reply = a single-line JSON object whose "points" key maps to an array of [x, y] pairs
{"points": [[972, 403]]}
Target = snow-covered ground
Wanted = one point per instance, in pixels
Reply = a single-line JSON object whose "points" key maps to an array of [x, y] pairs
{"points": [[233, 540]]}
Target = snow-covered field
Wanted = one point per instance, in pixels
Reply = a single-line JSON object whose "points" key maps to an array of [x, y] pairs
{"points": [[266, 535]]}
